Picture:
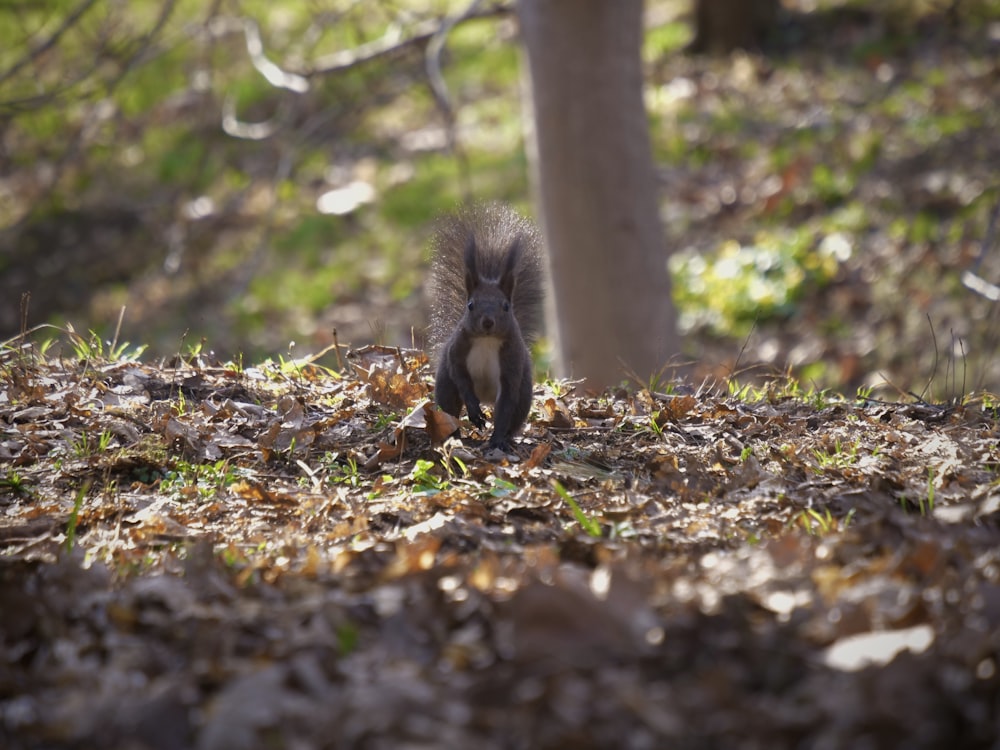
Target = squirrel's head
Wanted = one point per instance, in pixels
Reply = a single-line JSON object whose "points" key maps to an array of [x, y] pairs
{"points": [[488, 303]]}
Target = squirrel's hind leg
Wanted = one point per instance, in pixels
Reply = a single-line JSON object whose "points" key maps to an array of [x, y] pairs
{"points": [[510, 413], [446, 392]]}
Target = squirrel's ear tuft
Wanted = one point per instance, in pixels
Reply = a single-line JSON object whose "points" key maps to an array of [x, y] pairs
{"points": [[471, 271], [510, 262]]}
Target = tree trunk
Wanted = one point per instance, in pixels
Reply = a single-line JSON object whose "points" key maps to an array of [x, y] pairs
{"points": [[613, 313]]}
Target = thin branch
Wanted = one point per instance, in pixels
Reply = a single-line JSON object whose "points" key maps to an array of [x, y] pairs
{"points": [[965, 366], [141, 46], [40, 49], [248, 131], [970, 276], [432, 58], [734, 370], [75, 141], [392, 42], [272, 73], [432, 63], [930, 380]]}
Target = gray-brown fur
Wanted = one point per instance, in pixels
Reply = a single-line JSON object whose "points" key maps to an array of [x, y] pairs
{"points": [[488, 255], [494, 226]]}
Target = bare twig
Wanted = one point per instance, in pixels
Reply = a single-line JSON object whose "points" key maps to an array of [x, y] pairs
{"points": [[432, 63], [248, 131], [746, 342], [75, 141], [432, 59], [930, 380], [392, 42], [118, 329], [965, 366], [25, 306], [40, 49], [970, 276], [336, 349], [272, 73]]}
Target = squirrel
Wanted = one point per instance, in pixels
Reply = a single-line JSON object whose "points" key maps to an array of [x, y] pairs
{"points": [[487, 293]]}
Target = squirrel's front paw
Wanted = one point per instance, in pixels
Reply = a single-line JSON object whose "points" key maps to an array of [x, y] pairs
{"points": [[499, 443], [476, 416]]}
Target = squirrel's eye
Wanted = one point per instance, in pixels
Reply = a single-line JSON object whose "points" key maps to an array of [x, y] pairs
{"points": [[506, 306], [469, 305]]}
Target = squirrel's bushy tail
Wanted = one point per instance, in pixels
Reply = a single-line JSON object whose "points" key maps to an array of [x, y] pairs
{"points": [[495, 227]]}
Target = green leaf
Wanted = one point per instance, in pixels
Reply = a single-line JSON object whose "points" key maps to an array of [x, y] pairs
{"points": [[589, 525]]}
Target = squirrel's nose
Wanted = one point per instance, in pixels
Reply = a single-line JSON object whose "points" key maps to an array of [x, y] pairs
{"points": [[488, 323]]}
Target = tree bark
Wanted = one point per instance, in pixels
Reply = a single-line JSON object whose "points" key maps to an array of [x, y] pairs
{"points": [[613, 313]]}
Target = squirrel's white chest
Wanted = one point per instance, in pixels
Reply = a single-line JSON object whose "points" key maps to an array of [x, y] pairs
{"points": [[483, 364]]}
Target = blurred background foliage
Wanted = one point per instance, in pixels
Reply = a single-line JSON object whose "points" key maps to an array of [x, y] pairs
{"points": [[250, 174]]}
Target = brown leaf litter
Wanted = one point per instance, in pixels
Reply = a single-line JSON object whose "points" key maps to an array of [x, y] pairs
{"points": [[213, 557]]}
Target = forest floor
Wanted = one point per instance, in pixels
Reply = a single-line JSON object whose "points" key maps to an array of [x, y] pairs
{"points": [[205, 554], [213, 556]]}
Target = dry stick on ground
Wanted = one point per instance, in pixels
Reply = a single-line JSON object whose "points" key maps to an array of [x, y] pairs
{"points": [[336, 348], [734, 371], [118, 330], [930, 380], [25, 305]]}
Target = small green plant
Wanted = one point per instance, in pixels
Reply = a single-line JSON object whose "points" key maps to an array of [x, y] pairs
{"points": [[93, 348], [588, 524], [120, 352], [658, 383], [455, 467], [559, 388], [86, 348], [346, 473], [838, 458], [501, 487], [384, 421], [726, 289], [74, 516], [181, 403], [925, 504], [85, 446], [745, 392], [348, 636], [654, 424], [194, 350], [201, 480], [232, 557], [623, 530], [81, 446], [44, 346], [15, 483], [819, 399], [817, 524], [423, 478]]}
